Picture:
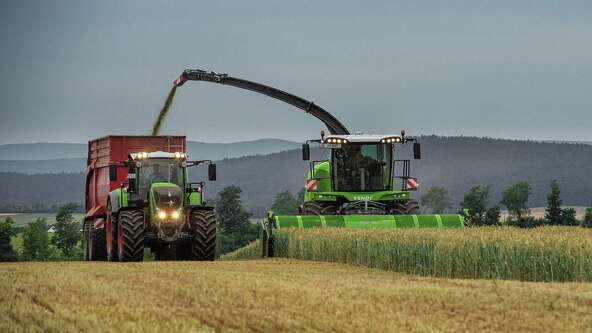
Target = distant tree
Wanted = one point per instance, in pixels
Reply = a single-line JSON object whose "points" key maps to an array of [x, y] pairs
{"points": [[232, 217], [515, 198], [436, 200], [569, 217], [6, 232], [476, 201], [587, 221], [492, 216], [36, 241], [67, 230], [285, 204], [553, 214], [300, 196]]}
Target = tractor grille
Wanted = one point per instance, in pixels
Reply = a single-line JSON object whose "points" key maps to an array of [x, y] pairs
{"points": [[364, 208]]}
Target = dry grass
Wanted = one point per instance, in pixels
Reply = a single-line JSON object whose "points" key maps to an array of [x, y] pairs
{"points": [[275, 295], [542, 254]]}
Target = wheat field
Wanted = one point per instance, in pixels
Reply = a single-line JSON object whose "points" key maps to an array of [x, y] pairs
{"points": [[275, 295], [542, 254]]}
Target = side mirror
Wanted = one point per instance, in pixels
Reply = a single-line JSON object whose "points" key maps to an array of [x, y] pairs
{"points": [[417, 151], [112, 173], [306, 152], [212, 172]]}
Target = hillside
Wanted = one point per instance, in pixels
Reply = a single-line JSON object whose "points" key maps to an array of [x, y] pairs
{"points": [[71, 151], [275, 296], [457, 163]]}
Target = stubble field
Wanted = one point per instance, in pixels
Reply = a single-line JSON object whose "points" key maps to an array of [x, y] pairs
{"points": [[275, 295]]}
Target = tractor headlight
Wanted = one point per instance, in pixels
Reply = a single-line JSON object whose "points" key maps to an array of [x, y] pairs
{"points": [[175, 214], [162, 215]]}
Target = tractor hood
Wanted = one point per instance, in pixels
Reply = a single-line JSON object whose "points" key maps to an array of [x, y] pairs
{"points": [[167, 195]]}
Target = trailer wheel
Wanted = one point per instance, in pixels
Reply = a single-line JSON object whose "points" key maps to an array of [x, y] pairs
{"points": [[317, 208], [97, 245], [203, 245], [130, 235], [86, 239]]}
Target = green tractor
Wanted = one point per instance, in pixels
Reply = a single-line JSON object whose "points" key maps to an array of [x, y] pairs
{"points": [[159, 209], [356, 187]]}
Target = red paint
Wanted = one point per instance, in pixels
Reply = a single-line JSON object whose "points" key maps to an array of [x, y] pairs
{"points": [[411, 184]]}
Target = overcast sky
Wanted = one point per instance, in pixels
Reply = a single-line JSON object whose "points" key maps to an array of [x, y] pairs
{"points": [[71, 71]]}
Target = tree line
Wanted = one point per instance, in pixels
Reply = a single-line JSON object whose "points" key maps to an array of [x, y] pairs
{"points": [[235, 228], [515, 198]]}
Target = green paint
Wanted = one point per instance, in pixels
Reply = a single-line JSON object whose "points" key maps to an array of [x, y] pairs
{"points": [[370, 221]]}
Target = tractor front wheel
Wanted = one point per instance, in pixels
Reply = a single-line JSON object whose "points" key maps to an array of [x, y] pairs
{"points": [[130, 235], [203, 244]]}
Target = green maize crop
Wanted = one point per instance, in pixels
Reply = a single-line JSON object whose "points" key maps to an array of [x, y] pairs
{"points": [[542, 254]]}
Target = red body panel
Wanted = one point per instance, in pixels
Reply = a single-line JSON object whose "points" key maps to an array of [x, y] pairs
{"points": [[114, 150]]}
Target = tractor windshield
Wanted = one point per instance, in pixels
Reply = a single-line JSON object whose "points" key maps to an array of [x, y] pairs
{"points": [[362, 167], [160, 170]]}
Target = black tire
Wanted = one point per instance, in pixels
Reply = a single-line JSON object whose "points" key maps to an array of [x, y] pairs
{"points": [[399, 208], [132, 233], [408, 207], [412, 207], [86, 239], [97, 246], [203, 245], [317, 208]]}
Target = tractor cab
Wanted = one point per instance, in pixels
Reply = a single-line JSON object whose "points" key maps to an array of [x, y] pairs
{"points": [[157, 168]]}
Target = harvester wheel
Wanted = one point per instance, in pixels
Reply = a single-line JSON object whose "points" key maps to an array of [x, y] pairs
{"points": [[412, 207], [130, 235], [203, 245], [408, 207], [317, 208]]}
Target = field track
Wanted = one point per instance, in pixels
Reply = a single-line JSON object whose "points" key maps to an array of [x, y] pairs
{"points": [[275, 295]]}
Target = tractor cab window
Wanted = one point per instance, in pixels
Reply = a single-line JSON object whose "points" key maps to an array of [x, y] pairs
{"points": [[362, 167], [159, 170]]}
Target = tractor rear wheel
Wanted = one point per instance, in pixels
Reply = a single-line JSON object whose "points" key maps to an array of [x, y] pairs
{"points": [[130, 235], [203, 244], [317, 208]]}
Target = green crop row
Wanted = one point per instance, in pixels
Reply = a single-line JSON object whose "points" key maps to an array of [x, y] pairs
{"points": [[542, 254]]}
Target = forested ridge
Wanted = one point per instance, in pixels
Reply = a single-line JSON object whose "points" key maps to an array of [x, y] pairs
{"points": [[455, 163]]}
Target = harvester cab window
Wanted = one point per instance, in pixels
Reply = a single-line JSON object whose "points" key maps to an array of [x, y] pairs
{"points": [[160, 170], [361, 167]]}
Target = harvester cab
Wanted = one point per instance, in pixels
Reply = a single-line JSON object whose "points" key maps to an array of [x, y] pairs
{"points": [[361, 176]]}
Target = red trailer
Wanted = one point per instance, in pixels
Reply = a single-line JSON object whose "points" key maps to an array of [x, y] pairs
{"points": [[106, 171]]}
